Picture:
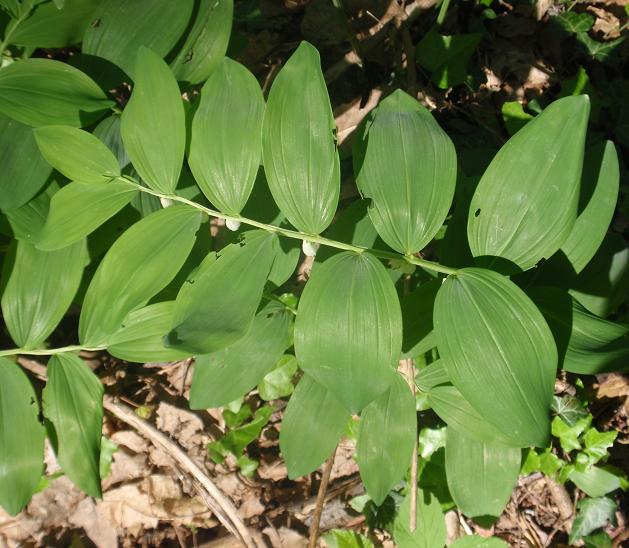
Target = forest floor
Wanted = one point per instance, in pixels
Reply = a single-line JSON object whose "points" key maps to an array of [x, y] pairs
{"points": [[529, 52]]}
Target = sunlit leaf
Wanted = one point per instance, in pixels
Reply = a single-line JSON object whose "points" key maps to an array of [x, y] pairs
{"points": [[120, 28], [525, 205], [140, 339], [77, 154], [40, 290], [313, 423], [21, 438], [387, 434], [410, 193], [592, 514], [476, 541], [599, 190], [348, 332], [431, 376], [481, 476], [498, 351], [430, 530], [223, 376], [80, 208], [138, 265], [300, 157], [51, 27], [153, 123], [41, 92], [226, 141], [206, 42], [595, 481], [73, 403], [209, 315]]}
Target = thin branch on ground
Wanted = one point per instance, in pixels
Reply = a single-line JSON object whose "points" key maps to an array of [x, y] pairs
{"points": [[323, 487], [218, 503]]}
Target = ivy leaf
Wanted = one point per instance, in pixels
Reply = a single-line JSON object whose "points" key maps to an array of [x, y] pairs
{"points": [[569, 435], [278, 383], [573, 22], [569, 409], [237, 439], [447, 56], [592, 514], [597, 443], [600, 51]]}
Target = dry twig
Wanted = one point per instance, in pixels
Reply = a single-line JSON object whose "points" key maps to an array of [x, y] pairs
{"points": [[316, 517]]}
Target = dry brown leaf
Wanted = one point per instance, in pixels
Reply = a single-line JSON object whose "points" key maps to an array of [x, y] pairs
{"points": [[94, 521]]}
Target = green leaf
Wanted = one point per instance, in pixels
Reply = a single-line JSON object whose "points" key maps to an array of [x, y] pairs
{"points": [[40, 290], [226, 141], [107, 450], [77, 154], [138, 265], [534, 177], [153, 123], [599, 191], [108, 131], [21, 438], [480, 476], [237, 439], [410, 193], [42, 92], [595, 481], [387, 434], [498, 351], [140, 337], [514, 116], [597, 443], [28, 220], [278, 383], [447, 56], [569, 434], [206, 43], [573, 22], [227, 374], [24, 170], [51, 27], [300, 158], [337, 340], [312, 426], [120, 28], [430, 531], [458, 414], [589, 344], [73, 402], [600, 51], [592, 514], [475, 541], [569, 409], [417, 309], [80, 208], [209, 315], [431, 376], [599, 540], [345, 538]]}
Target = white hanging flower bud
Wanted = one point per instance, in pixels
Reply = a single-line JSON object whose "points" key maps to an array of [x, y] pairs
{"points": [[232, 224], [166, 202], [309, 248]]}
